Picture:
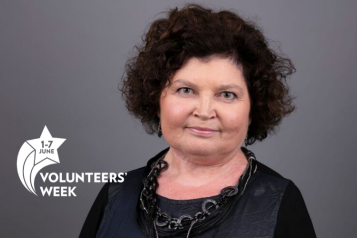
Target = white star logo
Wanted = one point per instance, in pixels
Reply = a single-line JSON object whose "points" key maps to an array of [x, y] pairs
{"points": [[36, 154]]}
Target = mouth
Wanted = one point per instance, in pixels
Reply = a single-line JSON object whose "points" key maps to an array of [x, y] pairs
{"points": [[202, 130]]}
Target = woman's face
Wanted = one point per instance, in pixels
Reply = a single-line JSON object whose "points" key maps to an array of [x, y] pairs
{"points": [[205, 110]]}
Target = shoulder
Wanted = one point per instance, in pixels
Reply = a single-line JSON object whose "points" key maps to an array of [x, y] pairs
{"points": [[291, 191], [271, 175], [269, 180], [132, 179], [268, 171]]}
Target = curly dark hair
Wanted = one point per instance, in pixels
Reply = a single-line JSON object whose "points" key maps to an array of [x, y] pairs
{"points": [[195, 31]]}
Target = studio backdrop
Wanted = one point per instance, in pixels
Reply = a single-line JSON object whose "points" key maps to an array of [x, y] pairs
{"points": [[60, 66]]}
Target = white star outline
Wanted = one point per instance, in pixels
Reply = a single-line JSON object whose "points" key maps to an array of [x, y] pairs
{"points": [[37, 145]]}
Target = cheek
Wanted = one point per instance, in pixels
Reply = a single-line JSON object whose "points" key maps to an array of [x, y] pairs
{"points": [[174, 113], [234, 121]]}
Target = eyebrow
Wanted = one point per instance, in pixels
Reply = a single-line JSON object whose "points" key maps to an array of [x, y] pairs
{"points": [[221, 87]]}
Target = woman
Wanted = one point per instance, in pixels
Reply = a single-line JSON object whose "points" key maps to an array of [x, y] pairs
{"points": [[208, 82]]}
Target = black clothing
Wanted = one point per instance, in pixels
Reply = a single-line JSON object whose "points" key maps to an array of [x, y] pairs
{"points": [[271, 206]]}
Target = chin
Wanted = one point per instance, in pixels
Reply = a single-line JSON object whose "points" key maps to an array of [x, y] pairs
{"points": [[199, 149]]}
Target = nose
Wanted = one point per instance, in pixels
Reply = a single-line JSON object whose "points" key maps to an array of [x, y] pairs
{"points": [[205, 107]]}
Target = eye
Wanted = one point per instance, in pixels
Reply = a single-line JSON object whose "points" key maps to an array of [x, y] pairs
{"points": [[184, 90], [229, 95]]}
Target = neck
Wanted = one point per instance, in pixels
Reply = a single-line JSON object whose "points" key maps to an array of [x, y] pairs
{"points": [[198, 170]]}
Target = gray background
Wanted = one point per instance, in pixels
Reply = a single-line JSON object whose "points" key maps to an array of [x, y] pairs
{"points": [[61, 61]]}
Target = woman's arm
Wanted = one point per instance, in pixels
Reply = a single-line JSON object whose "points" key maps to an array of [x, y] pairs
{"points": [[293, 218], [91, 224]]}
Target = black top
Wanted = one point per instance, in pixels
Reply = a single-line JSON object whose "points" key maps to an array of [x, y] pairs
{"points": [[271, 206]]}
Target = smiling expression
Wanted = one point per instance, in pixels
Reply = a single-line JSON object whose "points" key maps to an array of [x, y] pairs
{"points": [[205, 110]]}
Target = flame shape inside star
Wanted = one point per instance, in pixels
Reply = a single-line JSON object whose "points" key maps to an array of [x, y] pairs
{"points": [[26, 167]]}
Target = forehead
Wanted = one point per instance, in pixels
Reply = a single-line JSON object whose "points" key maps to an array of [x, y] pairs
{"points": [[213, 69]]}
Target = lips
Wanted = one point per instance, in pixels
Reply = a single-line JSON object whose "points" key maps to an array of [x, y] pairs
{"points": [[202, 130]]}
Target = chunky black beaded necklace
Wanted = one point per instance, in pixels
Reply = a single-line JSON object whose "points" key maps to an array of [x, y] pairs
{"points": [[213, 210]]}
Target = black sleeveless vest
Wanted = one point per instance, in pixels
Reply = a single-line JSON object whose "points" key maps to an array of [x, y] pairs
{"points": [[253, 216]]}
